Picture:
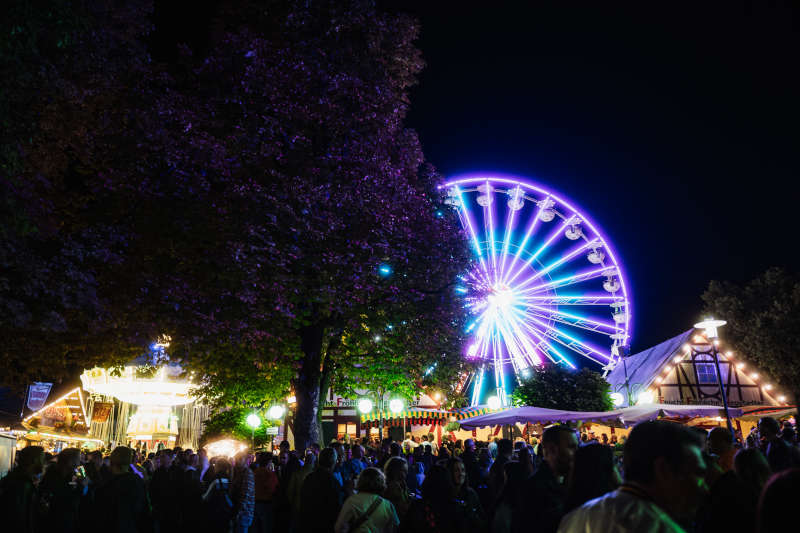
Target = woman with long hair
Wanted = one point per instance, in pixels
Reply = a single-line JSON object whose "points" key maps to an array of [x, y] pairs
{"points": [[465, 495], [396, 472]]}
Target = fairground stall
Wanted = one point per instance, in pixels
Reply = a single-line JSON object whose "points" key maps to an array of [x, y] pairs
{"points": [[144, 406], [60, 424]]}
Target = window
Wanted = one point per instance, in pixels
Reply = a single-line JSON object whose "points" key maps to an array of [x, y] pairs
{"points": [[706, 373]]}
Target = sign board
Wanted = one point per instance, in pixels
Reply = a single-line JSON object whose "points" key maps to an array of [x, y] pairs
{"points": [[37, 395], [101, 411], [273, 430]]}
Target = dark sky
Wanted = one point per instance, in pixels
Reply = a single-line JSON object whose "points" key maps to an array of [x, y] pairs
{"points": [[676, 129]]}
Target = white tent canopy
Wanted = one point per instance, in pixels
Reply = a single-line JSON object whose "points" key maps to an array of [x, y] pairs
{"points": [[627, 416]]}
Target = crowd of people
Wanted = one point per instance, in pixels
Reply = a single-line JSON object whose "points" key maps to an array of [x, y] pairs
{"points": [[665, 477]]}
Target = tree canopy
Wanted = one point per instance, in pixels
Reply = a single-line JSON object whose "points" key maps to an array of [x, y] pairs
{"points": [[240, 196], [763, 318], [559, 387]]}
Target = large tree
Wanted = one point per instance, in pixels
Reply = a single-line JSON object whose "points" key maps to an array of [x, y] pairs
{"points": [[240, 196], [763, 318]]}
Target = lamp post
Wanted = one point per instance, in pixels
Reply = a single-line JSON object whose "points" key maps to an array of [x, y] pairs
{"points": [[710, 326], [275, 413], [364, 407], [395, 406], [253, 420]]}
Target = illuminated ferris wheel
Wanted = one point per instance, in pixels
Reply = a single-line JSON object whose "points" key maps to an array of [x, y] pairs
{"points": [[546, 285]]}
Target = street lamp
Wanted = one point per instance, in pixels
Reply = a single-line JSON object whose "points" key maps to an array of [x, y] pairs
{"points": [[365, 405], [395, 406], [276, 412], [493, 402], [253, 420], [710, 326], [617, 399]]}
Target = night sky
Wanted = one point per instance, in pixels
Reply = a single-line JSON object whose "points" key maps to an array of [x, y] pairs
{"points": [[677, 130]]}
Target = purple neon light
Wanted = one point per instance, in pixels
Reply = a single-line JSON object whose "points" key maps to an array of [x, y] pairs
{"points": [[512, 180], [504, 330]]}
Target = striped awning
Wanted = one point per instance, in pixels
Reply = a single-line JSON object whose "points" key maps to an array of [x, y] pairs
{"points": [[433, 414], [427, 416]]}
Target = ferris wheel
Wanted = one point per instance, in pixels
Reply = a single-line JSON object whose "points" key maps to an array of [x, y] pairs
{"points": [[545, 287]]}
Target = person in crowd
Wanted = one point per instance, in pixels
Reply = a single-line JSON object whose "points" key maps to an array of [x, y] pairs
{"points": [[437, 511], [366, 511], [321, 496], [544, 494], [409, 444], [266, 483], [121, 504], [664, 485], [296, 483], [396, 473], [353, 466], [465, 495], [416, 476], [61, 490], [593, 475], [788, 433], [288, 465], [163, 496], [496, 474], [470, 459], [515, 474], [780, 454], [729, 502], [219, 505], [753, 469], [525, 458], [243, 493], [432, 443], [777, 503], [19, 498]]}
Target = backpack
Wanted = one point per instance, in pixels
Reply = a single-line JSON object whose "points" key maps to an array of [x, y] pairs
{"points": [[220, 505]]}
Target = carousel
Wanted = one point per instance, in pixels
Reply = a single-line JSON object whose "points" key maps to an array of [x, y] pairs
{"points": [[143, 405]]}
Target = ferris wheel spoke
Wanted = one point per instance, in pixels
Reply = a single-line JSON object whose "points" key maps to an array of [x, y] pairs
{"points": [[521, 346], [566, 281], [571, 299], [466, 220], [553, 236], [531, 229], [576, 321], [488, 218], [567, 340], [513, 207], [558, 262], [547, 347]]}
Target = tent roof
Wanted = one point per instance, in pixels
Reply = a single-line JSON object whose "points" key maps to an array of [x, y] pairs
{"points": [[627, 416], [644, 366]]}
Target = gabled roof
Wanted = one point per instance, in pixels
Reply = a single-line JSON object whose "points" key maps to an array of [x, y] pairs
{"points": [[643, 367]]}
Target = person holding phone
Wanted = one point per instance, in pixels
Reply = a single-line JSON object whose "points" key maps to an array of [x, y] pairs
{"points": [[61, 490]]}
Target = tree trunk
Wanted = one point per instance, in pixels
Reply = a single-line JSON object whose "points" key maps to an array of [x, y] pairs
{"points": [[307, 387]]}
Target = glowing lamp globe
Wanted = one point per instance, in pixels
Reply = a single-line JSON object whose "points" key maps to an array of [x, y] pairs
{"points": [[253, 420], [396, 406], [617, 399], [644, 398], [276, 412], [710, 326], [365, 405], [493, 402]]}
